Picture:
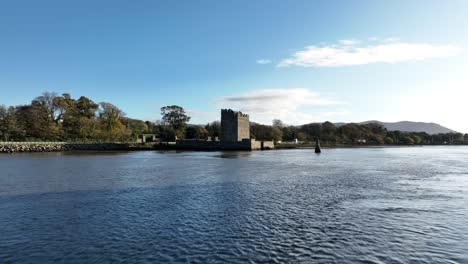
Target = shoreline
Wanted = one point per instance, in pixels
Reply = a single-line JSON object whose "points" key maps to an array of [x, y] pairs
{"points": [[22, 147], [25, 147]]}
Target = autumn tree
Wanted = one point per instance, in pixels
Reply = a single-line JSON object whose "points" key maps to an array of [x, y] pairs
{"points": [[137, 127], [8, 124], [47, 100], [110, 117], [213, 129], [79, 117], [34, 120]]}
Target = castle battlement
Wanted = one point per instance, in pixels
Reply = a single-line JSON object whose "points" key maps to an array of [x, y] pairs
{"points": [[233, 113]]}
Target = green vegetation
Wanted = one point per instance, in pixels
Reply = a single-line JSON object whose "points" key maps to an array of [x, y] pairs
{"points": [[175, 117], [52, 117], [362, 134]]}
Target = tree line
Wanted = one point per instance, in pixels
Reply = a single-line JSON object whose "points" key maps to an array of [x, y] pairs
{"points": [[353, 134], [53, 117]]}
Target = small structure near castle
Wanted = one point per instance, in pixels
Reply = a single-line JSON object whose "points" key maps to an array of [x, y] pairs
{"points": [[235, 135]]}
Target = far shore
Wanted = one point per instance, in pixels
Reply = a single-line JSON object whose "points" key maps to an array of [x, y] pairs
{"points": [[19, 147]]}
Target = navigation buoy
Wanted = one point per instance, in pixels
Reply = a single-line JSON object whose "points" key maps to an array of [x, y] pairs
{"points": [[317, 145]]}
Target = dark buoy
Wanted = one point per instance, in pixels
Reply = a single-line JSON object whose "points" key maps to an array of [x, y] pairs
{"points": [[317, 145]]}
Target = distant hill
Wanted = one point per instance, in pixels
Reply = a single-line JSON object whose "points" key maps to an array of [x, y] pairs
{"points": [[409, 126]]}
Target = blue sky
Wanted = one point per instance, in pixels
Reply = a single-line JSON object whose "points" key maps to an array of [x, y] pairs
{"points": [[300, 61]]}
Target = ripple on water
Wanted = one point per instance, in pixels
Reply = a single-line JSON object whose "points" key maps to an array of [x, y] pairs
{"points": [[350, 205]]}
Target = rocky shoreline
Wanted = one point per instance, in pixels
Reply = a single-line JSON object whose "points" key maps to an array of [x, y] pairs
{"points": [[18, 147]]}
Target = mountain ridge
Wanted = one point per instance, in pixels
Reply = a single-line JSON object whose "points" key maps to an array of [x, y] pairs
{"points": [[409, 126]]}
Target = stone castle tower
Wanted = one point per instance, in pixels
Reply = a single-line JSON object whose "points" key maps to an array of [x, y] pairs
{"points": [[235, 126]]}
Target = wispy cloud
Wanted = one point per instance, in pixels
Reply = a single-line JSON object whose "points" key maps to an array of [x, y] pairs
{"points": [[391, 39], [263, 61], [285, 104], [202, 117], [352, 52], [349, 41], [339, 112]]}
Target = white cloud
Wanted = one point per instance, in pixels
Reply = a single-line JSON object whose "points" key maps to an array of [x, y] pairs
{"points": [[286, 104], [392, 39], [349, 41], [349, 52], [263, 61], [339, 112], [202, 117]]}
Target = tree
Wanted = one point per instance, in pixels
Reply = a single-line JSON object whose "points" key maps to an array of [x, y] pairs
{"points": [[8, 125], [263, 132], [329, 132], [312, 130], [289, 133], [276, 134], [191, 132], [110, 117], [202, 133], [458, 138], [137, 127], [408, 140], [301, 136], [166, 133], [389, 140], [34, 120], [395, 135], [196, 132], [416, 139], [175, 116], [278, 123], [256, 131], [62, 105], [47, 101], [350, 133], [86, 107], [89, 129], [213, 129], [78, 117]]}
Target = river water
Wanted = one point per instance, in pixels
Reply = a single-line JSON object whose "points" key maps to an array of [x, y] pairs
{"points": [[360, 205]]}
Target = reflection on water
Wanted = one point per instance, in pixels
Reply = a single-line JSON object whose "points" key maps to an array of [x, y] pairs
{"points": [[234, 154], [379, 205]]}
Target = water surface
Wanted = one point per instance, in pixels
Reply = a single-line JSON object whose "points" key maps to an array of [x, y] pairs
{"points": [[367, 205]]}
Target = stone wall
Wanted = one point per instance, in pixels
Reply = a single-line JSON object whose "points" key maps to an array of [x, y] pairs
{"points": [[262, 145], [211, 145], [243, 126], [246, 144], [268, 145], [13, 147]]}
